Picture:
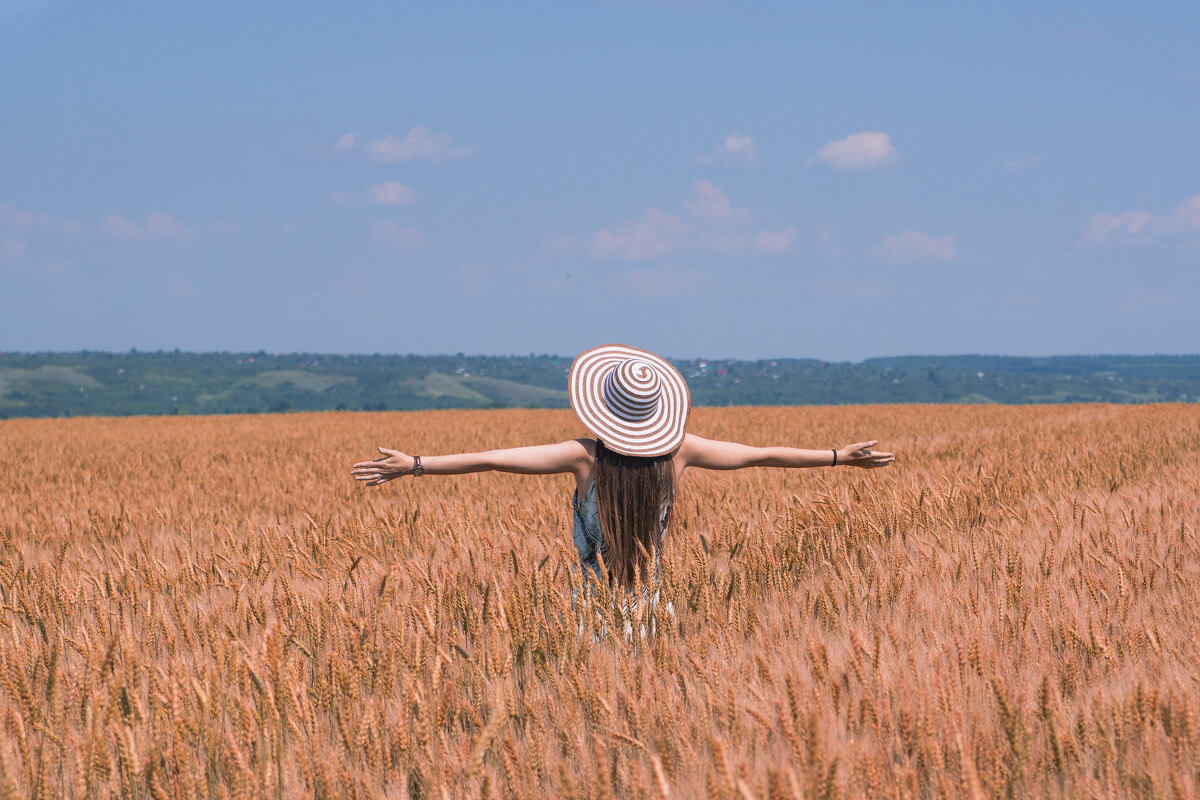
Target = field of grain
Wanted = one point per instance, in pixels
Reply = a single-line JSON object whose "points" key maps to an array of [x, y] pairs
{"points": [[211, 607]]}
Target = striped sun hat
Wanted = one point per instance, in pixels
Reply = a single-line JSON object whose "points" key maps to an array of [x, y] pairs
{"points": [[633, 401]]}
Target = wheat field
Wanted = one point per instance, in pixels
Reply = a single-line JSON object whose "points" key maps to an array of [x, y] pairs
{"points": [[211, 608]]}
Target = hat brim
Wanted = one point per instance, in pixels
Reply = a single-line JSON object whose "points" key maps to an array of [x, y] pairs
{"points": [[660, 433]]}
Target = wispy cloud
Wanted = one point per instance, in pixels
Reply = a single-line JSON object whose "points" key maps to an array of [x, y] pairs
{"points": [[1023, 163], [709, 223], [867, 150], [775, 242], [912, 246], [397, 238], [345, 142], [158, 226], [652, 235], [118, 227], [392, 193], [419, 144], [14, 220], [17, 225], [736, 149], [704, 200], [1141, 227]]}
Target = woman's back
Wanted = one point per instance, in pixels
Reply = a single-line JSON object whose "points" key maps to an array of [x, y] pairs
{"points": [[589, 533]]}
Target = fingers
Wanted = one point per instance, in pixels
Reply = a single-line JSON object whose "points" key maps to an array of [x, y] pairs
{"points": [[386, 455], [876, 460], [861, 455], [375, 478]]}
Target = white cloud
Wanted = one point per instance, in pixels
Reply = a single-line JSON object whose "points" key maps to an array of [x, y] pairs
{"points": [[1142, 227], [392, 193], [16, 225], [118, 227], [706, 201], [1023, 163], [14, 220], [158, 226], [1127, 228], [1185, 218], [909, 246], [653, 235], [347, 141], [165, 225], [419, 144], [736, 149], [710, 223], [395, 237], [867, 150], [775, 242]]}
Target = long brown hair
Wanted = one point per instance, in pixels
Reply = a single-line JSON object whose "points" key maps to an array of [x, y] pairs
{"points": [[631, 492]]}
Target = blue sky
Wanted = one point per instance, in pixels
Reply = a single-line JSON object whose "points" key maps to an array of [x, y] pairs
{"points": [[709, 179]]}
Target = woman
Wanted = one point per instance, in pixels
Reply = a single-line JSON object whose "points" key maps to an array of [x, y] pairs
{"points": [[636, 406]]}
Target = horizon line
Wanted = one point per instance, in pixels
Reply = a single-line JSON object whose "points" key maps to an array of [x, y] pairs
{"points": [[460, 354]]}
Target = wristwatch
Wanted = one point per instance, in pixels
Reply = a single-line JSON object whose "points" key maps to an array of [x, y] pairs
{"points": [[418, 469]]}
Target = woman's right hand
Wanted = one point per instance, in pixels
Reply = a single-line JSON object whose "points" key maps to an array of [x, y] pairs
{"points": [[861, 455], [391, 465]]}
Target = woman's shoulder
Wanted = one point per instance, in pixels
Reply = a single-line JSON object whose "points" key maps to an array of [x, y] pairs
{"points": [[688, 446]]}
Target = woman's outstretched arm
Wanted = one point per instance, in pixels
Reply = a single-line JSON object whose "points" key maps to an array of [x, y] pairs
{"points": [[710, 454], [546, 459]]}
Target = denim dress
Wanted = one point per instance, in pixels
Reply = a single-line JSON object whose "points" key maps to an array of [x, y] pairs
{"points": [[589, 541]]}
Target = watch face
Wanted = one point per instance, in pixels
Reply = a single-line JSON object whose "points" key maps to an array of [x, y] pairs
{"points": [[418, 472]]}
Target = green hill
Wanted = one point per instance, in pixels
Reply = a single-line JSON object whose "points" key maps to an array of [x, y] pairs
{"points": [[94, 383]]}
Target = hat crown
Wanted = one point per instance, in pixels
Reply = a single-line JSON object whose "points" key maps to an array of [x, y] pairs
{"points": [[632, 390]]}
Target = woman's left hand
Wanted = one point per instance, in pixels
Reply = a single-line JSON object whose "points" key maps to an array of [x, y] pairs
{"points": [[393, 464]]}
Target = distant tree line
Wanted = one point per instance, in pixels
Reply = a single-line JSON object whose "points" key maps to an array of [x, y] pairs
{"points": [[118, 384]]}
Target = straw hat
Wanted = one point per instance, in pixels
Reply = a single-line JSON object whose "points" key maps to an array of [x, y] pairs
{"points": [[632, 400]]}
